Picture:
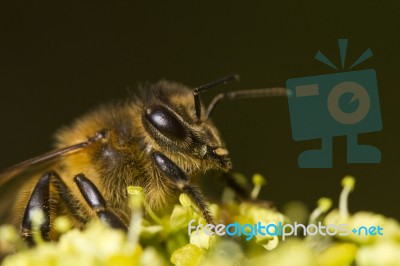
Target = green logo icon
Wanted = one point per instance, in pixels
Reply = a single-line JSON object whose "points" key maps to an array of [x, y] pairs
{"points": [[337, 104]]}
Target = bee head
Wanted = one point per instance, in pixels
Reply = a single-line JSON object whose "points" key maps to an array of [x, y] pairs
{"points": [[175, 127]]}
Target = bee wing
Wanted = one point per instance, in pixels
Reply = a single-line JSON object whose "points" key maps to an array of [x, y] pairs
{"points": [[11, 179], [17, 169]]}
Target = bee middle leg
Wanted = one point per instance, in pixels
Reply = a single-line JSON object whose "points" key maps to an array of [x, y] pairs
{"points": [[181, 180], [97, 202]]}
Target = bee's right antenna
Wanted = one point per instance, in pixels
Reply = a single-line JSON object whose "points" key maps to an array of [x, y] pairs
{"points": [[205, 87], [243, 94]]}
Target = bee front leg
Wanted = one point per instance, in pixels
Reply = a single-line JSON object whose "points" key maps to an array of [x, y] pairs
{"points": [[97, 202], [181, 180], [240, 189], [39, 200]]}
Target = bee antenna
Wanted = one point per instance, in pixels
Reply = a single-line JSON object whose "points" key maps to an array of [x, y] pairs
{"points": [[243, 94], [207, 86]]}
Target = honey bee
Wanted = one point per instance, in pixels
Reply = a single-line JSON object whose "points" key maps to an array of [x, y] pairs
{"points": [[159, 140]]}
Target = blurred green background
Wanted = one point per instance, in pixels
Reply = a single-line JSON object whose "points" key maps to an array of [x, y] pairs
{"points": [[59, 60]]}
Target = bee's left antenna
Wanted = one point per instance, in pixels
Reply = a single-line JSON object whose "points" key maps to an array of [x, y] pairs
{"points": [[205, 87]]}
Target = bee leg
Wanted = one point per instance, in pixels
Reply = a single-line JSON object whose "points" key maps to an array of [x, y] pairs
{"points": [[67, 197], [39, 200], [243, 191], [97, 202], [240, 189], [181, 180]]}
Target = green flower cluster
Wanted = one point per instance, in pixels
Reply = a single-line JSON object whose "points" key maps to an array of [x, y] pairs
{"points": [[154, 240]]}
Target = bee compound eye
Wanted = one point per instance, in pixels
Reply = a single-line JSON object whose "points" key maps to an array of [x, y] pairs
{"points": [[166, 122]]}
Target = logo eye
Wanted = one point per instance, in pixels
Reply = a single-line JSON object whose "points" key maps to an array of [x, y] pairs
{"points": [[166, 122]]}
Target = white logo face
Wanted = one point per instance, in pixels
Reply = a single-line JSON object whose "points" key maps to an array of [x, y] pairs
{"points": [[359, 93]]}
